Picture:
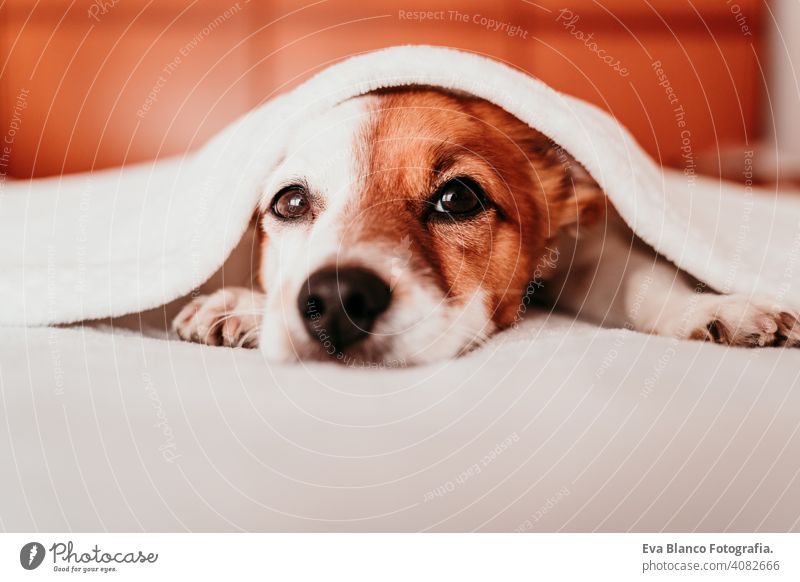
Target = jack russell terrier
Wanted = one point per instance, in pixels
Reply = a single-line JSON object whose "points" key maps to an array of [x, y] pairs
{"points": [[406, 226]]}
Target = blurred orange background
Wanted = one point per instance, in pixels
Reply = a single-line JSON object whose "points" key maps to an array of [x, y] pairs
{"points": [[91, 84]]}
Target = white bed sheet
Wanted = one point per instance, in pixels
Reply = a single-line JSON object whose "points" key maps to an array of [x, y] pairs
{"points": [[557, 426]]}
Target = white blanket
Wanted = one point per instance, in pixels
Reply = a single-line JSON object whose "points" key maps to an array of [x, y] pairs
{"points": [[555, 426]]}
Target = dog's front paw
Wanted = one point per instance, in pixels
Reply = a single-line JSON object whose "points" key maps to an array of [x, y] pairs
{"points": [[228, 317], [736, 320]]}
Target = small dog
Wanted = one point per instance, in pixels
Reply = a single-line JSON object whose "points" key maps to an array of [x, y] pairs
{"points": [[409, 225]]}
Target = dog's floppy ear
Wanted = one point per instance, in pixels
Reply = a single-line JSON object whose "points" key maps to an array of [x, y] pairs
{"points": [[585, 204], [575, 196]]}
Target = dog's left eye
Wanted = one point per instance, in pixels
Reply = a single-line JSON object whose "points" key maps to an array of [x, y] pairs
{"points": [[459, 197], [290, 203]]}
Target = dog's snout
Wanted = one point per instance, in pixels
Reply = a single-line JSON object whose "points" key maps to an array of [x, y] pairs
{"points": [[340, 306]]}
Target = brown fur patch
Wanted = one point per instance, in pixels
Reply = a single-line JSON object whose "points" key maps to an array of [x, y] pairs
{"points": [[420, 138]]}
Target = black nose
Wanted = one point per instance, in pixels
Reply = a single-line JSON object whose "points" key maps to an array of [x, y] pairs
{"points": [[340, 306]]}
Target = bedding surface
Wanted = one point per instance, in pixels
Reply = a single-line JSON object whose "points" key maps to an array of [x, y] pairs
{"points": [[555, 426]]}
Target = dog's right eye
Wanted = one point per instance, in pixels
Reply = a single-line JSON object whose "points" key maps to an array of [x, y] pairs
{"points": [[290, 203]]}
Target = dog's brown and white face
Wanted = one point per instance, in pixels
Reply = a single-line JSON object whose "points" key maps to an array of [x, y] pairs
{"points": [[402, 227]]}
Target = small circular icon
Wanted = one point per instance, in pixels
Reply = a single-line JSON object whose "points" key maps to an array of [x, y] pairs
{"points": [[31, 555]]}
